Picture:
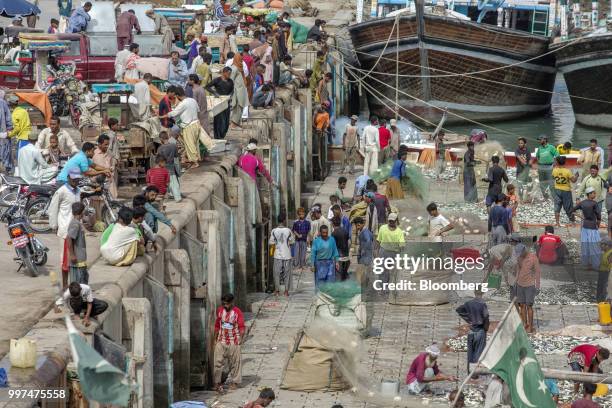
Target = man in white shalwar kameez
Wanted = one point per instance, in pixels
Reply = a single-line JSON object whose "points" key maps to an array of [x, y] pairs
{"points": [[188, 120], [142, 110], [120, 61]]}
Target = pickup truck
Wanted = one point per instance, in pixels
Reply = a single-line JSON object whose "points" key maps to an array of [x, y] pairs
{"points": [[93, 55]]}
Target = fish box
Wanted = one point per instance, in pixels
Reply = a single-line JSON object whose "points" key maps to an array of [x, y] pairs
{"points": [[136, 137]]}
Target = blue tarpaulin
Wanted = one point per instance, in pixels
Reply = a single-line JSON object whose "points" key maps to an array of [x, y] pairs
{"points": [[12, 8]]}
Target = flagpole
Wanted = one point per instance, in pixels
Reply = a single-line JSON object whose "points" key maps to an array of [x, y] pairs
{"points": [[485, 351]]}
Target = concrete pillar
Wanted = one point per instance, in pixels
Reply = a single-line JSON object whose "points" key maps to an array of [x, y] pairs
{"points": [[280, 135], [161, 324], [305, 97], [139, 341], [298, 146], [514, 15], [177, 280], [500, 17], [235, 198], [209, 227]]}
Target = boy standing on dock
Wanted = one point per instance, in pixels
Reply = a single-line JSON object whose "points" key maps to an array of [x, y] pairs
{"points": [[301, 230], [229, 331]]}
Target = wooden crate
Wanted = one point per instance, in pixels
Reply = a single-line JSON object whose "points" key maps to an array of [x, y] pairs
{"points": [[136, 137]]}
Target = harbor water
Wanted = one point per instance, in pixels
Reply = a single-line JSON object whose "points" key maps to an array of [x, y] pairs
{"points": [[558, 124]]}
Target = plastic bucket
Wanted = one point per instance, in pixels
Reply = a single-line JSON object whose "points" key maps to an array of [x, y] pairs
{"points": [[601, 390], [604, 313], [494, 281], [389, 388], [22, 353]]}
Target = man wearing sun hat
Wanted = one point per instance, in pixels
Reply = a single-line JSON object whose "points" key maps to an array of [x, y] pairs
{"points": [[60, 214], [424, 369], [350, 144]]}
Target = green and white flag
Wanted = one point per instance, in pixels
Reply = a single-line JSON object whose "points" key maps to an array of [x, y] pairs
{"points": [[100, 380], [511, 357]]}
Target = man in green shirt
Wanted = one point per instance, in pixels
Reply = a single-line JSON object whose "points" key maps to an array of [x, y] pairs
{"points": [[546, 157], [598, 183]]}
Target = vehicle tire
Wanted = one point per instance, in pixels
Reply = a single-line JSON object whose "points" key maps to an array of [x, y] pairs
{"points": [[8, 197], [41, 260], [106, 212], [29, 265], [35, 213]]}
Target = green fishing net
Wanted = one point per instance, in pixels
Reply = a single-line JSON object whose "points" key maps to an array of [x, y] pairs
{"points": [[414, 183], [341, 293]]}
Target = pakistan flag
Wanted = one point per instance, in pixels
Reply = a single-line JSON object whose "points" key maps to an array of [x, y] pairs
{"points": [[511, 357]]}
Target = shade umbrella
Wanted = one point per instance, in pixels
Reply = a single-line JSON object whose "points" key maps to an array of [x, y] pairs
{"points": [[12, 8]]}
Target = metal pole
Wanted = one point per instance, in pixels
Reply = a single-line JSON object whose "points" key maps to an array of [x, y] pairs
{"points": [[577, 376], [397, 22]]}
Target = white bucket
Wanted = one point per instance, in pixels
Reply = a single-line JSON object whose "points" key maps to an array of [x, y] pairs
{"points": [[22, 353], [389, 388]]}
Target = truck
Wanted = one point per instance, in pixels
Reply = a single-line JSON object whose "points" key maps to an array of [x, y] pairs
{"points": [[92, 54]]}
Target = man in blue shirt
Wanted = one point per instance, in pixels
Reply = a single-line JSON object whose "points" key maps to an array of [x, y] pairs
{"points": [[79, 19], [153, 214], [324, 255], [82, 161], [499, 222]]}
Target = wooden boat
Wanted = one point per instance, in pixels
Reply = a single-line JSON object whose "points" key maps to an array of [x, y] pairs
{"points": [[586, 66], [430, 44], [571, 160]]}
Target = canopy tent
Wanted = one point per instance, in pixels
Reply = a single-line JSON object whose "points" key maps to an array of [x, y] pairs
{"points": [[12, 8]]}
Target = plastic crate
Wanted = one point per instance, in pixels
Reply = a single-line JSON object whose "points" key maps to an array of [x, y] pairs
{"points": [[466, 253]]}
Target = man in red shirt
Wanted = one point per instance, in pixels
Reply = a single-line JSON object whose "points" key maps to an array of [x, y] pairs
{"points": [[424, 370], [587, 358], [384, 135], [551, 250], [229, 331], [159, 176]]}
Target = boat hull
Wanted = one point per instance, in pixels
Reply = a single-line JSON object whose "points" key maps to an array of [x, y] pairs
{"points": [[586, 66], [451, 46]]}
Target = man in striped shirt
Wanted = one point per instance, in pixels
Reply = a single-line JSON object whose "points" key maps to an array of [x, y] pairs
{"points": [[229, 330], [223, 18]]}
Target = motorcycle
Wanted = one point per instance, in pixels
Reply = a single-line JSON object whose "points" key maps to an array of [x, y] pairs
{"points": [[99, 188], [31, 252]]}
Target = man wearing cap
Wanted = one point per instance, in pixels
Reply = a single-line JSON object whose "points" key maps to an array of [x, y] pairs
{"points": [[251, 164], [60, 213], [424, 370], [545, 156], [21, 122], [33, 168], [83, 161], [350, 145], [391, 241], [596, 182], [590, 251], [17, 21]]}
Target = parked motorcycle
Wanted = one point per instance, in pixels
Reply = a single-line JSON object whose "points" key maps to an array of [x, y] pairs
{"points": [[31, 252], [99, 188]]}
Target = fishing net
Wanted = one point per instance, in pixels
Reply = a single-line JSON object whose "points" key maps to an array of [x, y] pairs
{"points": [[328, 357], [341, 293], [414, 182]]}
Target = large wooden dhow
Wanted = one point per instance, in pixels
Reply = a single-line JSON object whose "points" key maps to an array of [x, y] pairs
{"points": [[586, 65], [431, 46]]}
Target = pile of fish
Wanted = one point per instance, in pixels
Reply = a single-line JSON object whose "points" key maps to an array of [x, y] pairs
{"points": [[577, 293], [541, 343], [450, 173]]}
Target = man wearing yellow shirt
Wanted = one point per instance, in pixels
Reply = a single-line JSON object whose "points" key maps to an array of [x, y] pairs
{"points": [[597, 182], [566, 148], [563, 178], [21, 123]]}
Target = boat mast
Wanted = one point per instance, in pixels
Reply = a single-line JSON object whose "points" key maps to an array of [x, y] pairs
{"points": [[420, 20]]}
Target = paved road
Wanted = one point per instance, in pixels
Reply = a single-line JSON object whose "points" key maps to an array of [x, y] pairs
{"points": [[23, 299]]}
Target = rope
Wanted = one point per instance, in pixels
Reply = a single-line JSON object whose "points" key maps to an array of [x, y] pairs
{"points": [[386, 44], [360, 80], [481, 71], [473, 77], [372, 90]]}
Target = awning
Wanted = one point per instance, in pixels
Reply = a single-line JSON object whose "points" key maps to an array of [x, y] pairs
{"points": [[12, 8]]}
